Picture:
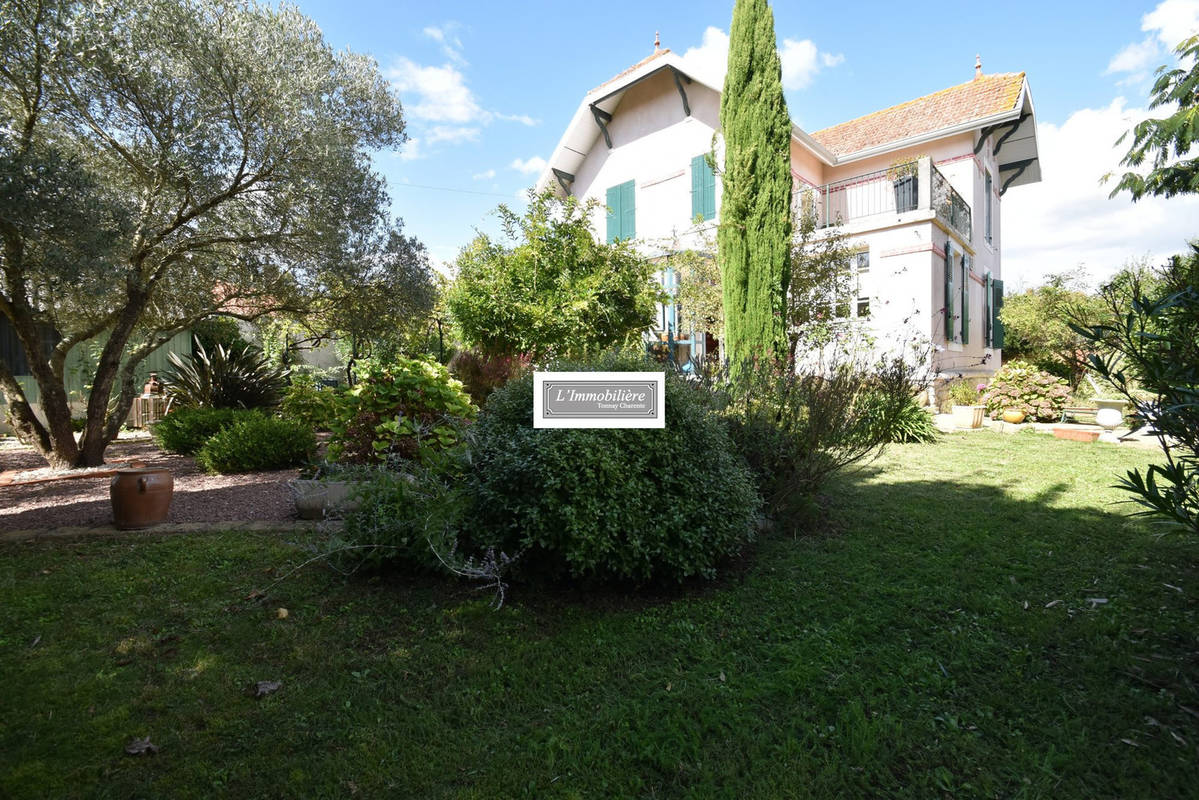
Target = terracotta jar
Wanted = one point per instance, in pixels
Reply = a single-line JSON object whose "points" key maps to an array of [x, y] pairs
{"points": [[140, 497]]}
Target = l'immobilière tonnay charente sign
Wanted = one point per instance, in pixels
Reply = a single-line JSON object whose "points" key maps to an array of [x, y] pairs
{"points": [[598, 400]]}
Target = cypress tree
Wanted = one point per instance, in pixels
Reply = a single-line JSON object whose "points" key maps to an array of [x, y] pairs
{"points": [[755, 215]]}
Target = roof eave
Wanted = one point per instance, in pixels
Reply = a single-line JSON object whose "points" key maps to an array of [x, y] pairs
{"points": [[940, 133]]}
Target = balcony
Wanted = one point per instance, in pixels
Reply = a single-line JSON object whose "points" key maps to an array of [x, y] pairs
{"points": [[882, 198]]}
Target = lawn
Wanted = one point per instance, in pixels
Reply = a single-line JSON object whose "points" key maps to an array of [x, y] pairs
{"points": [[941, 634]]}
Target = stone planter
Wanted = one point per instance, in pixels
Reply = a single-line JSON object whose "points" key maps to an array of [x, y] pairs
{"points": [[1110, 413], [322, 499], [968, 416]]}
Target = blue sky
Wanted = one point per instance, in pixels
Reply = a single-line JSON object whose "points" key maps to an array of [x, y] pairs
{"points": [[489, 87]]}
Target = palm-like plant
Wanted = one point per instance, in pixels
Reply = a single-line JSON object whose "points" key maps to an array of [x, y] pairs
{"points": [[228, 378]]}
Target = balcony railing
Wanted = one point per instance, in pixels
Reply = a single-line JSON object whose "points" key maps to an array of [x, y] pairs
{"points": [[883, 195], [951, 207]]}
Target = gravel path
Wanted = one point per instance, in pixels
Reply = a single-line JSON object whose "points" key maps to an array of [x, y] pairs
{"points": [[198, 497]]}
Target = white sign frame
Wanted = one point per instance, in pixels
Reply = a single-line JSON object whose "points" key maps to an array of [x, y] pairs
{"points": [[599, 418]]}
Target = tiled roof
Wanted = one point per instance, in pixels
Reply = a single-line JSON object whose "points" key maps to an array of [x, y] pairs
{"points": [[977, 99], [634, 68]]}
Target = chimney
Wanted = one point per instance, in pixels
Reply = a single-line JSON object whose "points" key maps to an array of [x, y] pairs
{"points": [[657, 42], [978, 67]]}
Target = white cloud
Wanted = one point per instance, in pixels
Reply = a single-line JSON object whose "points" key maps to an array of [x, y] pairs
{"points": [[485, 175], [801, 59], [439, 94], [452, 134], [1068, 219], [523, 119], [411, 150], [446, 36], [1172, 21], [709, 61], [1166, 25], [529, 166], [1136, 57]]}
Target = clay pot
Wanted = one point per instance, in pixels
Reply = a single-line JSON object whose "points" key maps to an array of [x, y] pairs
{"points": [[140, 497], [1013, 416]]}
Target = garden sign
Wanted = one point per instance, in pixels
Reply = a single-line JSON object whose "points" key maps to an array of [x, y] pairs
{"points": [[598, 400]]}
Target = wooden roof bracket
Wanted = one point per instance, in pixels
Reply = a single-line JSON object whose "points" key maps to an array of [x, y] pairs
{"points": [[602, 118], [564, 179]]}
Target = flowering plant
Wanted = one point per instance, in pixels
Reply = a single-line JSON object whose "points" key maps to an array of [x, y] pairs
{"points": [[1019, 386]]}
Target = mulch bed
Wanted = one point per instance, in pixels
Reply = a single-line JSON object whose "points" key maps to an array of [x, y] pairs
{"points": [[198, 497]]}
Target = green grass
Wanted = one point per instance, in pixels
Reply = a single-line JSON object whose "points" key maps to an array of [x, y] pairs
{"points": [[891, 653]]}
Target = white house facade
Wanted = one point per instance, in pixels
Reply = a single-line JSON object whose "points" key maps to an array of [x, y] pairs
{"points": [[917, 187]]}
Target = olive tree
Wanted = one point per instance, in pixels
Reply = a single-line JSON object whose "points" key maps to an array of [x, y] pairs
{"points": [[162, 162]]}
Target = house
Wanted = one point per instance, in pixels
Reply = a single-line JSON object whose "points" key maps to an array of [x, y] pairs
{"points": [[917, 187]]}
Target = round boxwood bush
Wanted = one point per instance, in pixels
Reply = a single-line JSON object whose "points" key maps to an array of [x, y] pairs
{"points": [[409, 409], [255, 443], [1019, 386], [623, 504], [185, 430]]}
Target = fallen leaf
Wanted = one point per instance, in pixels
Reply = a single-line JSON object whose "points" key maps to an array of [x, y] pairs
{"points": [[1172, 586], [263, 688], [1052, 603], [140, 747], [668, 686], [255, 595], [282, 612], [1025, 605], [36, 639], [722, 676], [1096, 601], [1130, 742]]}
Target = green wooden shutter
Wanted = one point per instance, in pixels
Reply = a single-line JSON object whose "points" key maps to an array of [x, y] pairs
{"points": [[988, 313], [613, 203], [628, 212], [965, 299], [948, 293], [996, 308], [703, 188]]}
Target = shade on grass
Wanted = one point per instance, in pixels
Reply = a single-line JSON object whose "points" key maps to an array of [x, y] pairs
{"points": [[888, 654]]}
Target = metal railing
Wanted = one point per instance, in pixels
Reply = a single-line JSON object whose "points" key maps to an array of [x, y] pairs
{"points": [[853, 198], [950, 206], [884, 194]]}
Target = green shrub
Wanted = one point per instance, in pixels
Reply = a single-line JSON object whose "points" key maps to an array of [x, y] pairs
{"points": [[1019, 386], [912, 425], [185, 430], [797, 426], [228, 378], [625, 504], [966, 391], [408, 410], [255, 443], [399, 519], [307, 402]]}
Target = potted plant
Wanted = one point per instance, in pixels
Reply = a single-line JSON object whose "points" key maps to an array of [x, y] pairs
{"points": [[964, 394], [904, 175]]}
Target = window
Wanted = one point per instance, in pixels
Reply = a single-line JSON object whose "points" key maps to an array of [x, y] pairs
{"points": [[854, 302], [862, 265], [703, 189], [622, 212], [987, 205]]}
